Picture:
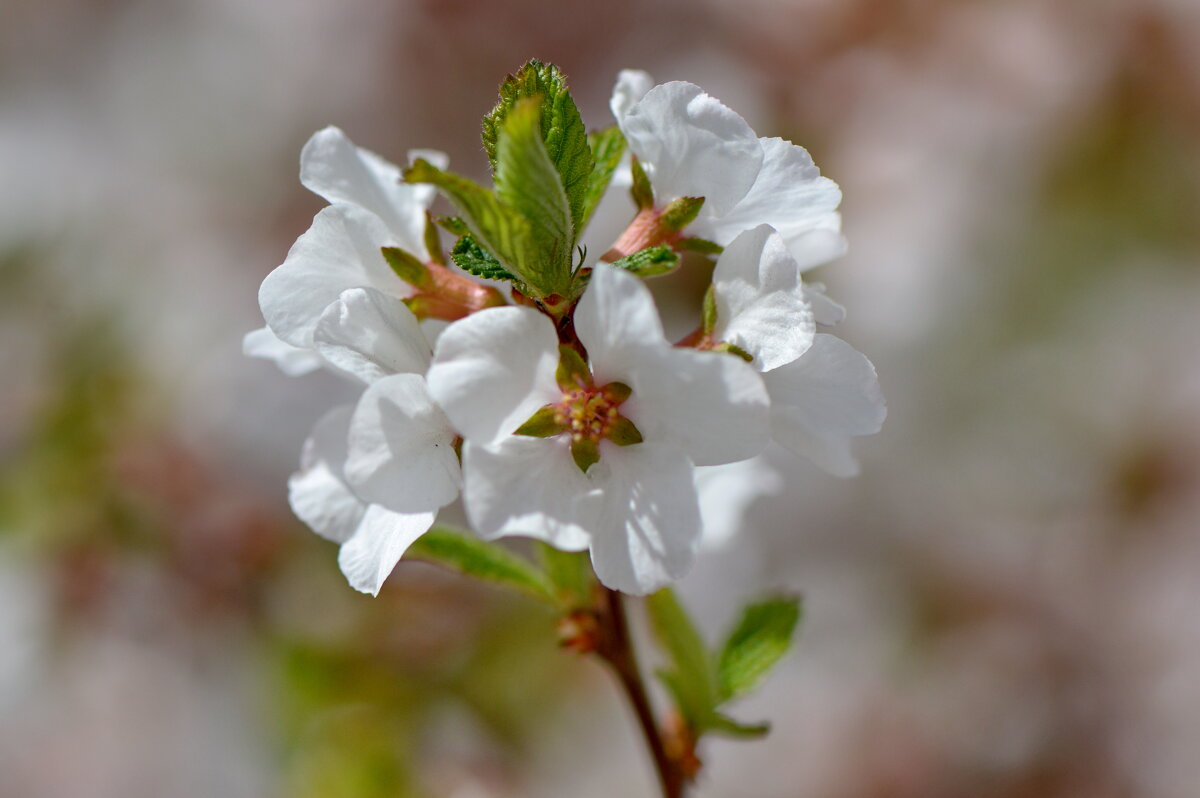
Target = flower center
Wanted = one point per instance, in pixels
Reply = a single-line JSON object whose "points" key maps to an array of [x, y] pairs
{"points": [[587, 414]]}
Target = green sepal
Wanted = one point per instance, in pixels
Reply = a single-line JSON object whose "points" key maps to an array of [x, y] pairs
{"points": [[641, 190], [734, 349], [607, 146], [406, 266], [570, 572], [690, 675], [681, 212], [433, 242], [650, 261], [699, 245], [617, 391], [573, 371], [624, 433], [561, 129], [527, 182], [727, 726], [453, 225], [761, 637], [467, 554], [585, 452], [542, 424], [474, 259], [497, 227], [708, 316]]}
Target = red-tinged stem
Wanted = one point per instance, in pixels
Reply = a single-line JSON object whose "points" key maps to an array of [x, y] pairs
{"points": [[616, 648], [646, 230]]}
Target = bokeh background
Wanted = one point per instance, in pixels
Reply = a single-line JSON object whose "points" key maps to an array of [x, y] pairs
{"points": [[1006, 604]]}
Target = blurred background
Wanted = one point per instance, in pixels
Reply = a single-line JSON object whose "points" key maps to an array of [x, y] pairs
{"points": [[1006, 604]]}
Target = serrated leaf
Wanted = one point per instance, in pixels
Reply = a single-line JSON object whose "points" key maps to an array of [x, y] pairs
{"points": [[498, 227], [527, 181], [467, 554], [650, 261], [570, 572], [561, 130], [759, 640], [723, 724], [474, 259], [690, 676], [607, 146], [641, 190]]}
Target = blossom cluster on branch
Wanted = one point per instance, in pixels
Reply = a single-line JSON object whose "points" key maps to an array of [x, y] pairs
{"points": [[552, 403]]}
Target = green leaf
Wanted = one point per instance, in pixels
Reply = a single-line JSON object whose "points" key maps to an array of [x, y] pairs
{"points": [[649, 262], [467, 554], [759, 640], [641, 190], [406, 266], [608, 146], [561, 129], [453, 225], [723, 724], [681, 212], [690, 676], [497, 227], [474, 259], [570, 572], [527, 181]]}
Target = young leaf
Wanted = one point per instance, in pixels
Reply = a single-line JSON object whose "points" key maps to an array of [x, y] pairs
{"points": [[700, 245], [406, 266], [467, 554], [650, 261], [570, 572], [759, 640], [690, 677], [561, 129], [498, 227], [527, 182], [608, 146], [433, 242], [453, 225], [708, 317], [474, 259], [723, 724]]}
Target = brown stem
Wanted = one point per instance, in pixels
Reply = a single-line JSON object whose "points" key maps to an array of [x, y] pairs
{"points": [[616, 648]]}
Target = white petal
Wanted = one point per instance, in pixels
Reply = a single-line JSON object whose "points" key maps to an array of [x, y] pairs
{"points": [[631, 86], [492, 370], [616, 313], [790, 195], [822, 400], [381, 539], [339, 251], [825, 310], [291, 360], [648, 525], [401, 452], [727, 493], [369, 334], [331, 166], [317, 492], [712, 405], [761, 304], [529, 487], [693, 146]]}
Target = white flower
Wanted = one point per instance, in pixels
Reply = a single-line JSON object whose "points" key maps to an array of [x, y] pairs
{"points": [[692, 145], [727, 493], [823, 392], [373, 476], [634, 507], [291, 360], [371, 209]]}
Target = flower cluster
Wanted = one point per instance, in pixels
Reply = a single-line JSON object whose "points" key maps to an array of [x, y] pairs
{"points": [[552, 403]]}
